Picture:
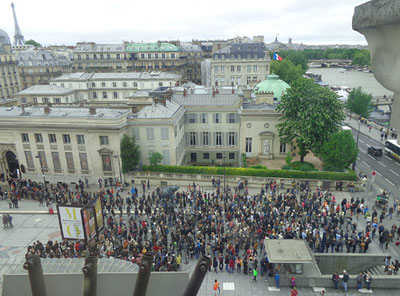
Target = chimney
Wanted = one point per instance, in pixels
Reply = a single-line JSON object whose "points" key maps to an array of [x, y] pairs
{"points": [[184, 92], [134, 109], [92, 110], [156, 101], [47, 110], [233, 90], [23, 108], [216, 91], [213, 92]]}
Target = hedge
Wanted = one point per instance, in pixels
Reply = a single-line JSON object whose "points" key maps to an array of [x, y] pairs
{"points": [[349, 176]]}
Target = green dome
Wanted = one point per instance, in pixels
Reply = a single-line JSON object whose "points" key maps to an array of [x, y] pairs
{"points": [[272, 85]]}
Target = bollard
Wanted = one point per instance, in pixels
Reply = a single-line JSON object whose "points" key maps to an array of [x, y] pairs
{"points": [[198, 276], [36, 279], [90, 276], [143, 276]]}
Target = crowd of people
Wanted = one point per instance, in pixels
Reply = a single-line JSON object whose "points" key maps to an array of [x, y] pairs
{"points": [[230, 228]]}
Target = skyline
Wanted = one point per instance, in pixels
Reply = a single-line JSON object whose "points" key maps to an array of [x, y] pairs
{"points": [[175, 20]]}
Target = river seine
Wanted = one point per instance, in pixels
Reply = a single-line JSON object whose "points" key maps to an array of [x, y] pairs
{"points": [[352, 79]]}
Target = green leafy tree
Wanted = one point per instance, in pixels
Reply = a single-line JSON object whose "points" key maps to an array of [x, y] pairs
{"points": [[359, 102], [130, 153], [310, 115], [155, 158], [33, 42], [362, 58], [286, 70], [339, 151]]}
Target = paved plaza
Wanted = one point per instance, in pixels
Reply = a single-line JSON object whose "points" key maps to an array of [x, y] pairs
{"points": [[31, 223]]}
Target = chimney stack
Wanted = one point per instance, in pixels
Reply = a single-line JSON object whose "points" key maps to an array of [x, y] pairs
{"points": [[156, 101], [213, 92], [23, 108], [233, 90], [134, 109], [163, 101], [184, 92], [92, 110], [47, 110]]}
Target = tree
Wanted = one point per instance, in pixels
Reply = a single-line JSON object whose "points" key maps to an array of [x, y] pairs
{"points": [[33, 42], [359, 102], [155, 158], [130, 153], [310, 115], [286, 70], [339, 151], [362, 58]]}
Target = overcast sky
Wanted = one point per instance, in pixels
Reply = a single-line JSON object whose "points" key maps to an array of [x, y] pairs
{"points": [[112, 21]]}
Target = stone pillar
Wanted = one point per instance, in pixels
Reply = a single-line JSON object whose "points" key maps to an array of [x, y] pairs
{"points": [[379, 22]]}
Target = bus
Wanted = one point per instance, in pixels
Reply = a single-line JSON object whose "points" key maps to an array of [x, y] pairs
{"points": [[393, 149]]}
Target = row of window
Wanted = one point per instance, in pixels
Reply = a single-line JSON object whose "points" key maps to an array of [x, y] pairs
{"points": [[164, 131], [233, 56], [55, 156], [237, 68], [216, 118], [206, 156], [80, 139], [131, 56], [249, 146], [211, 139]]}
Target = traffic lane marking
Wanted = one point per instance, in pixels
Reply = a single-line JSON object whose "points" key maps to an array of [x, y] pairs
{"points": [[382, 164], [363, 151], [388, 157], [366, 163], [390, 182], [394, 172], [361, 141]]}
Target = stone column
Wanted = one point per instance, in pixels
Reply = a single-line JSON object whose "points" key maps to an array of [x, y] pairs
{"points": [[379, 22]]}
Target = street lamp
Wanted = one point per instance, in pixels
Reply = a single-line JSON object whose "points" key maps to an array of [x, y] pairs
{"points": [[41, 167], [358, 134], [116, 156], [223, 164]]}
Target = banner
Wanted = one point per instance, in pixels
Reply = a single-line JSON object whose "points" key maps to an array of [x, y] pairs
{"points": [[70, 220]]}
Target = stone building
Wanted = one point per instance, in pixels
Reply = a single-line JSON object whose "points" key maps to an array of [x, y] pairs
{"points": [[40, 66], [9, 79], [66, 143], [45, 95], [241, 64]]}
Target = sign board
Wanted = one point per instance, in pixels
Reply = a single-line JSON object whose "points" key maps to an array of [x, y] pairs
{"points": [[373, 173], [70, 220], [89, 222], [99, 213]]}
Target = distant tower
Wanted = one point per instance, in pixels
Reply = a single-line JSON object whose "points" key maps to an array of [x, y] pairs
{"points": [[18, 37]]}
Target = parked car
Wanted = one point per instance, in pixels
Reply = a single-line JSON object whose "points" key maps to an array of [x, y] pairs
{"points": [[375, 151]]}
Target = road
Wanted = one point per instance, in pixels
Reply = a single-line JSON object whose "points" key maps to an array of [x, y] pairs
{"points": [[387, 169]]}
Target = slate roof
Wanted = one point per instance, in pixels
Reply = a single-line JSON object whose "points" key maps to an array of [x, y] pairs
{"points": [[46, 90]]}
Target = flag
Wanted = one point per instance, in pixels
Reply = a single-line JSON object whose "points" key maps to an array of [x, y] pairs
{"points": [[277, 57]]}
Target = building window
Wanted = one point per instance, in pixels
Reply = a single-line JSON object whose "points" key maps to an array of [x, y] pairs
{"points": [[206, 155], [25, 137], [106, 160], [94, 95], [231, 139], [206, 136], [231, 118], [255, 68], [136, 133], [219, 155], [35, 100], [135, 84], [193, 157], [248, 79], [232, 155], [38, 138], [70, 161], [249, 145], [192, 138], [222, 69], [57, 101], [103, 84], [204, 118], [215, 69], [104, 95], [29, 159], [66, 139], [248, 68], [238, 69], [83, 161], [172, 56], [164, 133], [218, 138], [115, 95], [93, 84], [232, 68], [114, 84], [192, 118], [80, 139], [282, 148], [42, 159], [166, 158], [56, 161], [46, 100], [217, 117], [103, 140], [150, 133], [52, 138], [124, 84], [118, 56]]}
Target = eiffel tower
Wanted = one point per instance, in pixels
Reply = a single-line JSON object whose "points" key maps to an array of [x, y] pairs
{"points": [[18, 37]]}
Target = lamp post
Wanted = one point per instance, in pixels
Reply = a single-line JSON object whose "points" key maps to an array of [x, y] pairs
{"points": [[116, 156], [358, 134], [223, 163], [41, 167]]}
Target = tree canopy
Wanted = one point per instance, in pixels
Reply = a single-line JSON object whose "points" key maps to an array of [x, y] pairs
{"points": [[362, 58], [130, 153], [286, 70], [33, 42], [339, 151], [310, 115], [359, 102], [155, 158]]}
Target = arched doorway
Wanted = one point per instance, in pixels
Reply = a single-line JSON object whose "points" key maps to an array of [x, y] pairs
{"points": [[12, 162]]}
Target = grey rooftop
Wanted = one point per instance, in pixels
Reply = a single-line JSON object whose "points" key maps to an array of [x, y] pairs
{"points": [[206, 99], [46, 90]]}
